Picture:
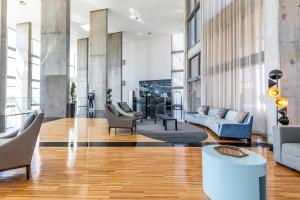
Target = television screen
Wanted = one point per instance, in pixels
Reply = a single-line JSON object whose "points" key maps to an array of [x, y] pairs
{"points": [[156, 88]]}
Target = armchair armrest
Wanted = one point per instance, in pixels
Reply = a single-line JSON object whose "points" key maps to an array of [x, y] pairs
{"points": [[243, 131], [10, 135], [284, 134]]}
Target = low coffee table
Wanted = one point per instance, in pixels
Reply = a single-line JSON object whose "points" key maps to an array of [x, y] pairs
{"points": [[165, 119]]}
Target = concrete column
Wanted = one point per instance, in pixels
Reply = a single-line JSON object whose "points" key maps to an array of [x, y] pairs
{"points": [[97, 71], [282, 51], [23, 67], [3, 48], [55, 48], [82, 71], [114, 67]]}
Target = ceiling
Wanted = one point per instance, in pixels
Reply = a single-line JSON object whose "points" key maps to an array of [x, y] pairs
{"points": [[158, 17]]}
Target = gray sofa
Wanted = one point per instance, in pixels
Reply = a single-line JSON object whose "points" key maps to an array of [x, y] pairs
{"points": [[16, 148], [286, 146]]}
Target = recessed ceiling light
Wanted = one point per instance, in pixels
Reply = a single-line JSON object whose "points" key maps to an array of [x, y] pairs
{"points": [[22, 2], [85, 27]]}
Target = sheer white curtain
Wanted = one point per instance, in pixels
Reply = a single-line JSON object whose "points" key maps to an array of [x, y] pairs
{"points": [[233, 57]]}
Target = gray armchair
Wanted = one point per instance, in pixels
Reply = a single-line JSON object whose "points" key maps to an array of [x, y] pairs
{"points": [[286, 146], [16, 149], [115, 120], [125, 110]]}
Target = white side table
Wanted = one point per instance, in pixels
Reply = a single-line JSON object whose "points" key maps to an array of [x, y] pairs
{"points": [[231, 178]]}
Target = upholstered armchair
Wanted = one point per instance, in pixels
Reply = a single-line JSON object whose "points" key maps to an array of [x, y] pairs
{"points": [[115, 120], [125, 110], [286, 145], [16, 149]]}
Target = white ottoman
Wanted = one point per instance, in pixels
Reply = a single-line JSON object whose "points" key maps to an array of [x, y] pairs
{"points": [[231, 178]]}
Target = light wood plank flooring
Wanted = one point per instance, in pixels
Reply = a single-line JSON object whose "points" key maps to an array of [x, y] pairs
{"points": [[122, 172]]}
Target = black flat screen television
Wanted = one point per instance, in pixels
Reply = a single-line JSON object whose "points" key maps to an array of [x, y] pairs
{"points": [[156, 88]]}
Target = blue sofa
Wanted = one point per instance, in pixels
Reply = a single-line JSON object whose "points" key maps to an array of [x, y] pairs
{"points": [[224, 128]]}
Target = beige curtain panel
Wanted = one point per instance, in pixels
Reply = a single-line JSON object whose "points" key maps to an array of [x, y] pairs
{"points": [[233, 57]]}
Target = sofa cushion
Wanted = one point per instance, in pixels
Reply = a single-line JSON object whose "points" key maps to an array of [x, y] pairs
{"points": [[203, 110], [292, 149], [212, 112], [124, 106], [5, 140], [221, 113], [230, 115], [240, 117], [28, 120]]}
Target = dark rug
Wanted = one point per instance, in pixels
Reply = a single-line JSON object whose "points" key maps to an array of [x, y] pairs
{"points": [[186, 133]]}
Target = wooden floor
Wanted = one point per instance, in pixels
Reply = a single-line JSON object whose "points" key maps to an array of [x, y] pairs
{"points": [[122, 172]]}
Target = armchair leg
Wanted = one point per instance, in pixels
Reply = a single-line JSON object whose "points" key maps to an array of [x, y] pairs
{"points": [[28, 171], [131, 131], [115, 130], [249, 142], [109, 130]]}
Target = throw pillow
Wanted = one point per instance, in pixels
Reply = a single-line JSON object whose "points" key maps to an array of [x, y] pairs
{"points": [[221, 113], [114, 111], [124, 107], [240, 117], [203, 110], [27, 122]]}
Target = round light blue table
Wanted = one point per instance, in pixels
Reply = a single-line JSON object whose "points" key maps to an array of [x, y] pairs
{"points": [[231, 178]]}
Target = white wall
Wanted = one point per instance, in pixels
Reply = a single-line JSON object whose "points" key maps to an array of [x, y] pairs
{"points": [[146, 60]]}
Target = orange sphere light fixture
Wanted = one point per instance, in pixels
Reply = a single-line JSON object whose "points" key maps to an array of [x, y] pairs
{"points": [[282, 102], [274, 92]]}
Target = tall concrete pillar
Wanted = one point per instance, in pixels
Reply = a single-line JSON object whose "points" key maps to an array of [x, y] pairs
{"points": [[97, 71], [114, 66], [55, 48], [282, 51], [82, 71], [3, 48], [23, 67]]}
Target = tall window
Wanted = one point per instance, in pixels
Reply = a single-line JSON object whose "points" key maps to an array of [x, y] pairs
{"points": [[194, 22], [11, 82], [36, 66], [177, 72], [11, 73]]}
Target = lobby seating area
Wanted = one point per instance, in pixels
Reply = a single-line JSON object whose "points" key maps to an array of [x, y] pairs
{"points": [[149, 99], [223, 122]]}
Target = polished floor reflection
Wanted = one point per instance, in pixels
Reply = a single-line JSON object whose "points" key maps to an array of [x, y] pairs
{"points": [[132, 172]]}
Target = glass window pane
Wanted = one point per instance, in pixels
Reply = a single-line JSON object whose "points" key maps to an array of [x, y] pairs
{"points": [[10, 92], [35, 93], [191, 32], [36, 49], [177, 96], [177, 79], [36, 85], [178, 61], [198, 26], [194, 67], [36, 72], [35, 60], [178, 42], [11, 67], [11, 38]]}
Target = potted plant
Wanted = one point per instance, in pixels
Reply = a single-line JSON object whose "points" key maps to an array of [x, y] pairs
{"points": [[108, 96], [72, 103]]}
